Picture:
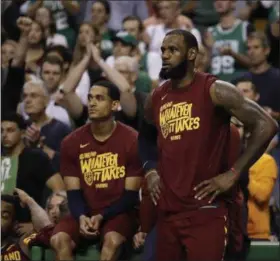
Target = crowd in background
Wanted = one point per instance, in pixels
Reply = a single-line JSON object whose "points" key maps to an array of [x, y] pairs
{"points": [[52, 52]]}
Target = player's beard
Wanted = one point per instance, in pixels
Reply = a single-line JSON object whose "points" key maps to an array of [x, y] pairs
{"points": [[177, 72]]}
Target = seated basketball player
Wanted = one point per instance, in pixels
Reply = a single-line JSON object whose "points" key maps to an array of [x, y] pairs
{"points": [[18, 248], [102, 174]]}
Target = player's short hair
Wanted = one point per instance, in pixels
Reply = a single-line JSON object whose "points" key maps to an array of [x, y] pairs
{"points": [[134, 18], [189, 38], [8, 199], [245, 79], [16, 118], [261, 37], [113, 90]]}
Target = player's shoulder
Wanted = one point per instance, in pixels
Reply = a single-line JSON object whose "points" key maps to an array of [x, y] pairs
{"points": [[161, 89], [126, 137], [10, 246], [205, 79], [76, 135], [127, 132]]}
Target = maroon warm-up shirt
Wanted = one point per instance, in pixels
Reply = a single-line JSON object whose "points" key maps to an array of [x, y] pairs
{"points": [[234, 198], [101, 166], [193, 141], [14, 250]]}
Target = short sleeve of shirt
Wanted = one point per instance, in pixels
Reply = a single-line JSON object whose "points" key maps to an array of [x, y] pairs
{"points": [[41, 238], [68, 160], [133, 166]]}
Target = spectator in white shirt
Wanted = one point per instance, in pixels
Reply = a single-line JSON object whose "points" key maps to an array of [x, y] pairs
{"points": [[36, 99], [149, 62], [168, 12]]}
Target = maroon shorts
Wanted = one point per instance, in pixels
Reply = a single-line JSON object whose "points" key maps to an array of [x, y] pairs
{"points": [[199, 236], [124, 224]]}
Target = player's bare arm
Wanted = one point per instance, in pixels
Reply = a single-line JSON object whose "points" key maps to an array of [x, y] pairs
{"points": [[147, 143], [256, 121], [55, 183]]}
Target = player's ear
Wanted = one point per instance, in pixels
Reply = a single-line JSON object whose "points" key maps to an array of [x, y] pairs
{"points": [[192, 53], [115, 105]]}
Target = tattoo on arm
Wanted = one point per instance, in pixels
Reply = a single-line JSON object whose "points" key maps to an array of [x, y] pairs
{"points": [[260, 125]]}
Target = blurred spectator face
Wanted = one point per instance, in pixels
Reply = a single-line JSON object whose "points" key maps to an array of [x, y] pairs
{"points": [[98, 14], [66, 65], [224, 6], [7, 218], [248, 91], [35, 35], [10, 135], [121, 49], [54, 208], [7, 53], [168, 11], [256, 51], [125, 70], [51, 75], [132, 27], [43, 16], [100, 105], [35, 99], [86, 33]]}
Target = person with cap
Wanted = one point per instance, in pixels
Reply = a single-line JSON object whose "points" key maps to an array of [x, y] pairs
{"points": [[149, 62], [124, 45]]}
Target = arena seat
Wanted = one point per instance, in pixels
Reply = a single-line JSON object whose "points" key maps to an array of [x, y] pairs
{"points": [[264, 250], [39, 253], [261, 250]]}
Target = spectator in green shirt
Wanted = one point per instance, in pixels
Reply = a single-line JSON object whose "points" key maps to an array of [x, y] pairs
{"points": [[100, 15]]}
